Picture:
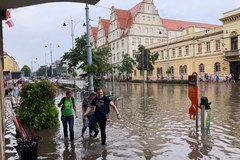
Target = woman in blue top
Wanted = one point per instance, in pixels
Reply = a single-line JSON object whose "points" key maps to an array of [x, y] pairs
{"points": [[16, 92], [67, 111]]}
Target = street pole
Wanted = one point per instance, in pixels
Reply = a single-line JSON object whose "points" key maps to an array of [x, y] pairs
{"points": [[72, 34], [46, 66], [168, 60], [51, 59], [89, 51]]}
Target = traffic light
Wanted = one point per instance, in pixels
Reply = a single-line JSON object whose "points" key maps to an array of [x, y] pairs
{"points": [[145, 58]]}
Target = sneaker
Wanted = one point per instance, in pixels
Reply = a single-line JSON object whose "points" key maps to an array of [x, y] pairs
{"points": [[95, 134]]}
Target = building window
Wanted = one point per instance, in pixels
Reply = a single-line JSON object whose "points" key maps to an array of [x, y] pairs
{"points": [[153, 19], [134, 41], [183, 69], [117, 56], [149, 18], [138, 29], [113, 47], [162, 55], [133, 53], [114, 58], [172, 70], [135, 73], [122, 42], [217, 67], [201, 68], [234, 43], [187, 50], [208, 47], [139, 41], [151, 30], [113, 36], [146, 30], [180, 52], [173, 53], [143, 18], [200, 48], [150, 72], [151, 41], [141, 73], [147, 41], [159, 71], [117, 45], [217, 42]]}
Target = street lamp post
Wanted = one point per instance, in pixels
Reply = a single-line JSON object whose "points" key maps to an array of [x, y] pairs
{"points": [[33, 61], [50, 46], [89, 51], [72, 25], [168, 56]]}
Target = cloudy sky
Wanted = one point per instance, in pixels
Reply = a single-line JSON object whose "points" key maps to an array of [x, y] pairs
{"points": [[38, 26]]}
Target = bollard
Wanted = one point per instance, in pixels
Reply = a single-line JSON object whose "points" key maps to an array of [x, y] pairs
{"points": [[205, 113]]}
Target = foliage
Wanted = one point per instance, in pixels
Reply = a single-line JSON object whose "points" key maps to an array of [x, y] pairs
{"points": [[42, 71], [27, 70], [77, 59], [127, 64], [152, 57], [37, 106]]}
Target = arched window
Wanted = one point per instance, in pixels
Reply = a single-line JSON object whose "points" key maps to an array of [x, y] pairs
{"points": [[201, 68], [159, 71], [185, 69], [172, 70], [180, 69], [217, 67]]}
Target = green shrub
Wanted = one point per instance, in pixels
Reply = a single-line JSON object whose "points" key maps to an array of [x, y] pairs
{"points": [[37, 107]]}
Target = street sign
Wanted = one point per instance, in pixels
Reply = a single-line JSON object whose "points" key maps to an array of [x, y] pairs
{"points": [[193, 95]]}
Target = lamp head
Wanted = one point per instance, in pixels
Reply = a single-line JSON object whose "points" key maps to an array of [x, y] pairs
{"points": [[64, 25], [84, 24]]}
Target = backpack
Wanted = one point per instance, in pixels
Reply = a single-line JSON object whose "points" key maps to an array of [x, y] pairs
{"points": [[63, 100]]}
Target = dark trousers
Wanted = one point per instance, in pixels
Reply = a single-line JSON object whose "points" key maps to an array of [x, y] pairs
{"points": [[102, 124], [92, 124], [68, 120]]}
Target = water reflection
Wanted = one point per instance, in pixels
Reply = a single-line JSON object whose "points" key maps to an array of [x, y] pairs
{"points": [[69, 151], [155, 126]]}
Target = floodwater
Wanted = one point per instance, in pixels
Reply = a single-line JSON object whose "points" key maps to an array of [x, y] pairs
{"points": [[153, 128]]}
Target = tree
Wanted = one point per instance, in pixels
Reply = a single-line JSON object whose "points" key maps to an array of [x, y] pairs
{"points": [[42, 71], [152, 57], [26, 70], [77, 58], [37, 106], [127, 65]]}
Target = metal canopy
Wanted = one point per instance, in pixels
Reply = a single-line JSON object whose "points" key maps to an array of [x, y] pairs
{"points": [[5, 4]]}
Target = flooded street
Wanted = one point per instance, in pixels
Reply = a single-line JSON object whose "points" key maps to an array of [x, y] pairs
{"points": [[153, 128]]}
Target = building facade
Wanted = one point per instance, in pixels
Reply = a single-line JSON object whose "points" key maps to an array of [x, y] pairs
{"points": [[184, 47], [10, 64], [210, 52]]}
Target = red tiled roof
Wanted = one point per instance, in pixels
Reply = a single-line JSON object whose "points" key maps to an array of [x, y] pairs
{"points": [[94, 32], [135, 9], [106, 23], [125, 17], [176, 25]]}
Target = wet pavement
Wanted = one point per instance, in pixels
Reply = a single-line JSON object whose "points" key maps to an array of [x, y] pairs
{"points": [[152, 128]]}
